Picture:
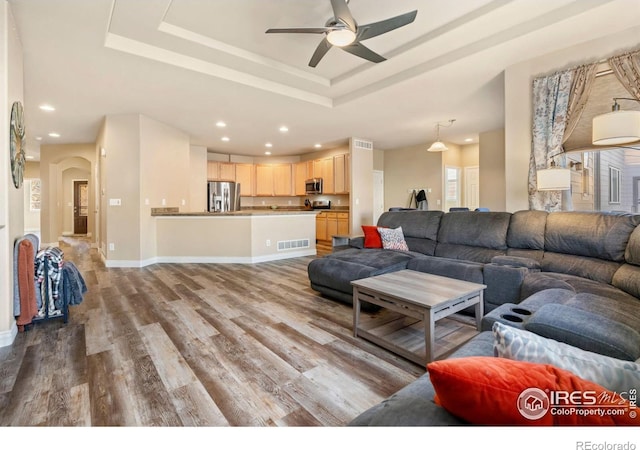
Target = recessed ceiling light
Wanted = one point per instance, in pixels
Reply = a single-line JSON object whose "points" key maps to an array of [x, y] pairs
{"points": [[29, 157], [318, 146], [38, 138], [468, 140], [225, 139], [47, 108], [283, 129], [56, 135], [268, 145], [221, 124], [267, 153]]}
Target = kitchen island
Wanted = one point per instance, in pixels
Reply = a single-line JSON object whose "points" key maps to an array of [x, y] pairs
{"points": [[245, 236]]}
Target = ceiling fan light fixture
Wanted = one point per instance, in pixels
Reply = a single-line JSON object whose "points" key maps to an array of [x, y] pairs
{"points": [[341, 37]]}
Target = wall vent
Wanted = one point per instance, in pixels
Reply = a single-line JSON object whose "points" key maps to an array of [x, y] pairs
{"points": [[293, 244], [365, 145]]}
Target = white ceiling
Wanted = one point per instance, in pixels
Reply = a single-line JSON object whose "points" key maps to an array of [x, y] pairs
{"points": [[190, 63]]}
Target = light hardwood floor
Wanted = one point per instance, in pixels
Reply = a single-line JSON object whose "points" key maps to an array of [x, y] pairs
{"points": [[200, 345]]}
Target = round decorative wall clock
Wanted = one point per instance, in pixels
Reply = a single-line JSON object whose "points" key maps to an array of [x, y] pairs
{"points": [[16, 146]]}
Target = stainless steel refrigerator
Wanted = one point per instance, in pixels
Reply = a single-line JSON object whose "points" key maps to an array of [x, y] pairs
{"points": [[224, 196]]}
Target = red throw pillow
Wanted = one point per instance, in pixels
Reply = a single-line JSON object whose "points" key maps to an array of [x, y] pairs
{"points": [[487, 390], [372, 237]]}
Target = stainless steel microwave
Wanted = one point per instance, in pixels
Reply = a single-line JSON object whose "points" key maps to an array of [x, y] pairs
{"points": [[313, 186]]}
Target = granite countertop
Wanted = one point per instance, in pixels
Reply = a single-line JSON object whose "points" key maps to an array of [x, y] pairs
{"points": [[250, 212], [253, 211]]}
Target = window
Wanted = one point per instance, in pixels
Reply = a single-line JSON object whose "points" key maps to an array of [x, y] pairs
{"points": [[614, 185], [452, 187]]}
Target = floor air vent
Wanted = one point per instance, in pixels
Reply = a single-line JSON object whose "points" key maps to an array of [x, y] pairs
{"points": [[293, 244]]}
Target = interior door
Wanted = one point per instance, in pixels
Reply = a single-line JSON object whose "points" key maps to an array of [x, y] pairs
{"points": [[80, 206], [472, 187]]}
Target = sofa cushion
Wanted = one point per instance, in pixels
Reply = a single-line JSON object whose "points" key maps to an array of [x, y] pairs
{"points": [[580, 266], [496, 391], [593, 234], [586, 330], [393, 239], [415, 224], [526, 230], [539, 281], [461, 270], [467, 252], [627, 278], [632, 252], [522, 345], [476, 229], [371, 236]]}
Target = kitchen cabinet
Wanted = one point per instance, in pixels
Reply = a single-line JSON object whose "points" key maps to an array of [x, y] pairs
{"points": [[329, 224], [323, 168], [341, 174], [273, 180], [343, 224], [302, 171], [221, 171], [321, 226], [245, 176]]}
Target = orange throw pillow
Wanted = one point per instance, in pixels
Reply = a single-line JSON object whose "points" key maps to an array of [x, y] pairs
{"points": [[487, 390], [372, 237]]}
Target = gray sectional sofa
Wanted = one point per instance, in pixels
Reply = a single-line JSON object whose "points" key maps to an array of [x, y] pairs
{"points": [[573, 277]]}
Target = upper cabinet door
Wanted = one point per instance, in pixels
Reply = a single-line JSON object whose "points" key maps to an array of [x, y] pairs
{"points": [[282, 180], [245, 176]]}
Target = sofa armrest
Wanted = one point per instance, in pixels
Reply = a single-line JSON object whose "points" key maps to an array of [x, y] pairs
{"points": [[516, 261], [585, 330], [357, 242], [504, 283]]}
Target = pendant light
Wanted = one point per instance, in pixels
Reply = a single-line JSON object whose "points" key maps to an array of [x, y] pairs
{"points": [[617, 127], [438, 146]]}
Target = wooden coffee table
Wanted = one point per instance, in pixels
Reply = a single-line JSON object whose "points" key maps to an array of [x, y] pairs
{"points": [[419, 295]]}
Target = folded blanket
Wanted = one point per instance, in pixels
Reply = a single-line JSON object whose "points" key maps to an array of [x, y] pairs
{"points": [[26, 284], [35, 241]]}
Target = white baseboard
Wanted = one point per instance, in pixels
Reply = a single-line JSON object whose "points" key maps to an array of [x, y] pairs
{"points": [[7, 337], [208, 259]]}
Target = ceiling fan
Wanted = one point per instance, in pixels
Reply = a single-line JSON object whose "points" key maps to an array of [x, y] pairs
{"points": [[342, 31]]}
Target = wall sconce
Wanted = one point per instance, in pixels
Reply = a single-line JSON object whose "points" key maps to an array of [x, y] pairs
{"points": [[554, 178], [439, 146], [617, 127]]}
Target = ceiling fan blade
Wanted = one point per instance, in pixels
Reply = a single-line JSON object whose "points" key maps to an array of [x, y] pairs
{"points": [[341, 12], [299, 30], [321, 50], [363, 52], [377, 28]]}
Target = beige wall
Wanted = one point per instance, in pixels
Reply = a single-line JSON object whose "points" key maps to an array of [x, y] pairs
{"points": [[68, 177], [492, 171], [165, 180], [412, 168], [11, 199], [232, 239], [198, 181], [378, 159], [31, 218], [146, 164], [361, 191], [518, 104], [55, 160]]}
